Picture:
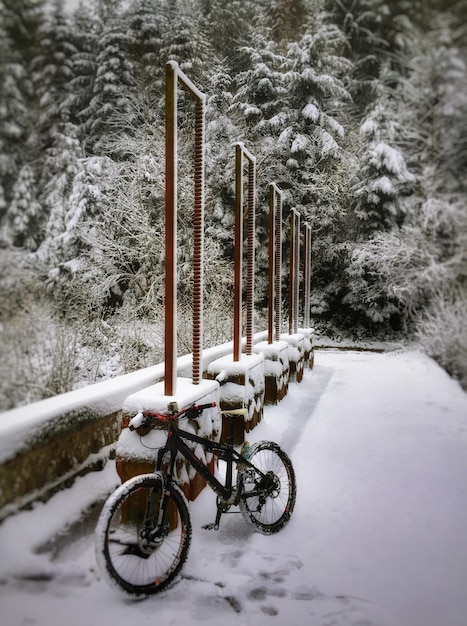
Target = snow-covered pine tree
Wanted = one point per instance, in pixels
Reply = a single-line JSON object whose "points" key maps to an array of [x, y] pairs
{"points": [[86, 30], [379, 259], [290, 104], [112, 109], [52, 71], [147, 25], [4, 161], [12, 112], [285, 19], [385, 178], [260, 109], [62, 163], [362, 23], [19, 23], [228, 25], [67, 249], [317, 94], [185, 42], [23, 221], [221, 135], [59, 149], [434, 93], [406, 231]]}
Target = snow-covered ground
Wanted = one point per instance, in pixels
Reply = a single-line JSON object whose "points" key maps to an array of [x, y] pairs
{"points": [[378, 536]]}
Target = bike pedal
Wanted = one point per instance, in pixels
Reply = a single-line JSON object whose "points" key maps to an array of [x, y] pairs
{"points": [[212, 526]]}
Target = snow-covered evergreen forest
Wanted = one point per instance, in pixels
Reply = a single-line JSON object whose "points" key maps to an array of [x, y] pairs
{"points": [[357, 109]]}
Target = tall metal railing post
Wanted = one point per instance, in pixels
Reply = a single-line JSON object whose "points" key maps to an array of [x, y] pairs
{"points": [[275, 260], [250, 262], [291, 268], [271, 256], [174, 76], [240, 152], [306, 276], [170, 230], [278, 267], [297, 272], [198, 242], [238, 253], [294, 270]]}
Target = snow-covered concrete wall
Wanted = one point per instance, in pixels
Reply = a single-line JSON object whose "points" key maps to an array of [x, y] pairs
{"points": [[276, 369], [308, 347], [44, 444], [242, 386], [296, 355]]}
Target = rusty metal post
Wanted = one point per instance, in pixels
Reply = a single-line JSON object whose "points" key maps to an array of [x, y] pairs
{"points": [[271, 250], [294, 270], [170, 229], [291, 268], [174, 76], [250, 262], [275, 195], [306, 276], [198, 242], [297, 272], [240, 152], [238, 253], [278, 267]]}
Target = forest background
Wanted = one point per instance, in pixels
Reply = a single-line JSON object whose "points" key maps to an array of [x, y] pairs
{"points": [[357, 109]]}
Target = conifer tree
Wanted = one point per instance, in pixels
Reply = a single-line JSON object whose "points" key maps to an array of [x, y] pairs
{"points": [[86, 31], [286, 19], [20, 22], [52, 71], [23, 221], [385, 178], [62, 164], [67, 250], [229, 25], [147, 25], [112, 107], [186, 43], [290, 101]]}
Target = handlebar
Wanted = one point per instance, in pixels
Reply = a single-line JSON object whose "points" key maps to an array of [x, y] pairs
{"points": [[147, 419], [201, 407]]}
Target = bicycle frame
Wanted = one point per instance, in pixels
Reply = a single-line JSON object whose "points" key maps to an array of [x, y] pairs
{"points": [[176, 443], [225, 451]]}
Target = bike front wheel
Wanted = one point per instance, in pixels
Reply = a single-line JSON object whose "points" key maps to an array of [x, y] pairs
{"points": [[267, 487], [132, 549]]}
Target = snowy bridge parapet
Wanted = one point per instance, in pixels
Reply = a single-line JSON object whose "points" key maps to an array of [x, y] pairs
{"points": [[45, 445]]}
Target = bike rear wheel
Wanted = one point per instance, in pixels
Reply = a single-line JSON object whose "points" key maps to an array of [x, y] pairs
{"points": [[130, 550], [268, 489]]}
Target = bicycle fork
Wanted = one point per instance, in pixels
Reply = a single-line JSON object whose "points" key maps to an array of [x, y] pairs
{"points": [[155, 530], [155, 527]]}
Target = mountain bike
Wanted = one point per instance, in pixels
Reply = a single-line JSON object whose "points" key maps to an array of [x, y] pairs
{"points": [[144, 530]]}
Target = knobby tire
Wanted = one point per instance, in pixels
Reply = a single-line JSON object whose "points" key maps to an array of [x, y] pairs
{"points": [[274, 489], [122, 555]]}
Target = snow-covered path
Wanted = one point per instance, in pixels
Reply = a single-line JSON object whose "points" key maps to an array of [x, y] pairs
{"points": [[378, 536]]}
